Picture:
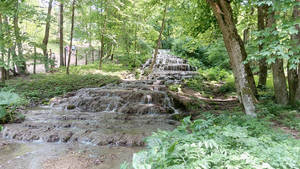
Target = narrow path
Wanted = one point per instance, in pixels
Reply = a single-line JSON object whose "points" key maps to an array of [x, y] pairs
{"points": [[94, 127]]}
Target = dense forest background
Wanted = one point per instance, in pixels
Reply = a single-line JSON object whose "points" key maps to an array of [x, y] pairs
{"points": [[247, 50], [36, 32]]}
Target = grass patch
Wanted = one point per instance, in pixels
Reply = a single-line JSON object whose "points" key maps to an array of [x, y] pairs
{"points": [[230, 140], [40, 88], [106, 67]]}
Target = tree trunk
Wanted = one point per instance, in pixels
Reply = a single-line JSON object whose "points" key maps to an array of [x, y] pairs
{"points": [[61, 35], [293, 82], [159, 37], [250, 76], [21, 64], [102, 45], [296, 38], [5, 19], [34, 61], [112, 53], [279, 80], [246, 35], [86, 58], [93, 56], [3, 75], [101, 52], [8, 63], [236, 50], [76, 58], [65, 62], [297, 96], [71, 38], [46, 37], [135, 45], [2, 69], [263, 68], [89, 53], [14, 57]]}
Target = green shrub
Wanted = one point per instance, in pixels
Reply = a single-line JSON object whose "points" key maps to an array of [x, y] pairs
{"points": [[218, 56], [132, 61], [137, 73], [225, 141], [228, 87], [214, 55], [215, 74], [195, 83], [8, 98], [190, 49], [174, 88], [8, 103], [212, 75]]}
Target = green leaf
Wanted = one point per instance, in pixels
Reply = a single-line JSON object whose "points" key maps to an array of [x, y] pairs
{"points": [[3, 112], [9, 98], [172, 148]]}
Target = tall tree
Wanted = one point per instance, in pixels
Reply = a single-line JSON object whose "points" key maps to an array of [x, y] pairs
{"points": [[160, 36], [102, 46], [236, 50], [71, 38], [46, 37], [103, 31], [61, 34], [2, 69], [20, 60], [279, 79], [295, 83], [263, 68]]}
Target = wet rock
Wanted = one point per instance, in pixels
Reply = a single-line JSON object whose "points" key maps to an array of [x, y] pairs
{"points": [[169, 82], [71, 107], [66, 136], [53, 138], [67, 126], [30, 137]]}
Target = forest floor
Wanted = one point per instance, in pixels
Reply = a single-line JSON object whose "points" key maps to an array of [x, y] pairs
{"points": [[193, 101]]}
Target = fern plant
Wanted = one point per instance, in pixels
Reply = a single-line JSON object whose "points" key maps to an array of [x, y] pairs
{"points": [[225, 141], [8, 98], [8, 103]]}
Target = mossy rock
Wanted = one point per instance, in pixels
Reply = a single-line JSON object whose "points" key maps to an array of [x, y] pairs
{"points": [[71, 107]]}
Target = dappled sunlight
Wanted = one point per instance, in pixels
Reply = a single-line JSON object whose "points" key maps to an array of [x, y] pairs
{"points": [[149, 84]]}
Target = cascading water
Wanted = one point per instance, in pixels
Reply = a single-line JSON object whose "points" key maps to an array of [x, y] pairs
{"points": [[115, 115], [169, 69]]}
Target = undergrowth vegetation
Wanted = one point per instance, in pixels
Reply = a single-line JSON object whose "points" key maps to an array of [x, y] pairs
{"points": [[282, 115], [40, 88], [212, 82], [8, 103], [220, 141], [201, 56]]}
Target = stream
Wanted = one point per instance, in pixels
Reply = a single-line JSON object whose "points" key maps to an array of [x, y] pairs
{"points": [[95, 128]]}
